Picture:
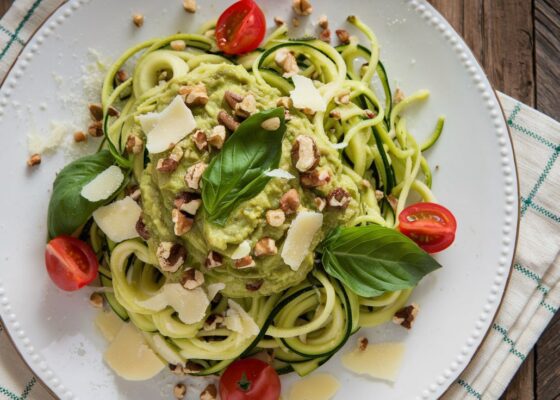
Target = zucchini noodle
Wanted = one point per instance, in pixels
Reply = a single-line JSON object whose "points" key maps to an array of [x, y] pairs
{"points": [[374, 154]]}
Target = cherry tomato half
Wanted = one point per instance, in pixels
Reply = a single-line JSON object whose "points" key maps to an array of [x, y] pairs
{"points": [[249, 379], [240, 28], [71, 263], [430, 225]]}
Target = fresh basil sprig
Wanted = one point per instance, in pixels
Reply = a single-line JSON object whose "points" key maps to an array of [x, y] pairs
{"points": [[238, 172], [372, 259], [68, 210]]}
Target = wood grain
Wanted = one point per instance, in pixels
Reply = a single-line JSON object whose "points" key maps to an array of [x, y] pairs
{"points": [[548, 362]]}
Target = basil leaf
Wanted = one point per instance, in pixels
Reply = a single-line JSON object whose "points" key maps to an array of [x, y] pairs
{"points": [[68, 210], [372, 259], [236, 174]]}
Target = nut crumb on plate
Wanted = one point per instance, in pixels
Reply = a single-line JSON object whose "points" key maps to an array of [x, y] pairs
{"points": [[80, 136], [179, 391], [302, 7], [96, 300], [189, 6], [406, 316], [35, 159], [138, 20]]}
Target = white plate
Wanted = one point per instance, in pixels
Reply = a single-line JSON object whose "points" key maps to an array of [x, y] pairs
{"points": [[476, 179]]}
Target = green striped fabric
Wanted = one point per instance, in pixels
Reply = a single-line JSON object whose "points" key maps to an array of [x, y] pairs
{"points": [[533, 294]]}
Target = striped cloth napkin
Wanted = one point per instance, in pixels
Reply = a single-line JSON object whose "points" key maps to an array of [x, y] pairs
{"points": [[533, 294]]}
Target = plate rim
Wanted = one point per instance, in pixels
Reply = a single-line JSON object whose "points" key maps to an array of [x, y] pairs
{"points": [[420, 7]]}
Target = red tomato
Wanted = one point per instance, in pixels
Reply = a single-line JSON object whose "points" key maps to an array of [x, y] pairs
{"points": [[249, 379], [430, 225], [71, 263], [240, 28]]}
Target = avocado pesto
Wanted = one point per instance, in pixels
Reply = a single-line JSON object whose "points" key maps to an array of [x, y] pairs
{"points": [[241, 204]]}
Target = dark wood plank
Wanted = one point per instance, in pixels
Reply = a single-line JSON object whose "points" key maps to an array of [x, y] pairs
{"points": [[548, 362], [522, 387], [4, 5]]}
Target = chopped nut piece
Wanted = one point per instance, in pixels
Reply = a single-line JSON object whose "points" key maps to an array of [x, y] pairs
{"points": [[320, 203], [166, 165], [370, 114], [35, 159], [289, 202], [192, 368], [192, 278], [343, 98], [245, 262], [254, 286], [335, 114], [179, 391], [363, 343], [393, 201], [134, 145], [113, 112], [209, 393], [314, 178], [142, 229], [121, 75], [232, 99], [305, 154], [295, 22], [308, 111], [193, 175], [133, 192], [217, 137], [189, 6], [212, 322], [406, 316], [188, 202], [227, 120], [398, 96], [285, 102], [279, 21], [79, 136], [275, 218], [96, 111], [325, 35], [302, 7], [214, 260], [287, 61], [343, 36], [138, 20], [338, 198], [271, 124], [323, 22], [170, 256], [200, 140], [366, 183], [379, 195], [176, 369], [246, 107], [96, 300], [178, 45], [182, 223], [265, 247], [195, 95], [95, 129]]}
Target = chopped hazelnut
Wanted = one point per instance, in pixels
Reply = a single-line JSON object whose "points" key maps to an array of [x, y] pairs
{"points": [[302, 7], [289, 202], [338, 198], [271, 124], [370, 114], [138, 20], [192, 368], [166, 165], [214, 260], [343, 98], [217, 136], [295, 22], [305, 154], [121, 75], [393, 201], [323, 22], [170, 256], [79, 136], [325, 35], [134, 145], [194, 174], [308, 111], [275, 218], [265, 247], [232, 99], [200, 140], [343, 36], [179, 391], [254, 285], [178, 45], [285, 102], [228, 121], [287, 61], [406, 316], [335, 114], [35, 159], [212, 322], [379, 195], [182, 223], [245, 262], [189, 6], [95, 129], [96, 300], [279, 21], [176, 369], [113, 112], [192, 278], [195, 95], [96, 111], [314, 178], [209, 393], [246, 107], [398, 96], [363, 343], [142, 229], [320, 203], [188, 202]]}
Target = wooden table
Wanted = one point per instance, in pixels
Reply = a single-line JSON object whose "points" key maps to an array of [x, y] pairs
{"points": [[518, 44]]}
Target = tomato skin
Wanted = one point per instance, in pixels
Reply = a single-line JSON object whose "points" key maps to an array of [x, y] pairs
{"points": [[430, 225], [263, 381], [71, 263], [241, 28]]}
